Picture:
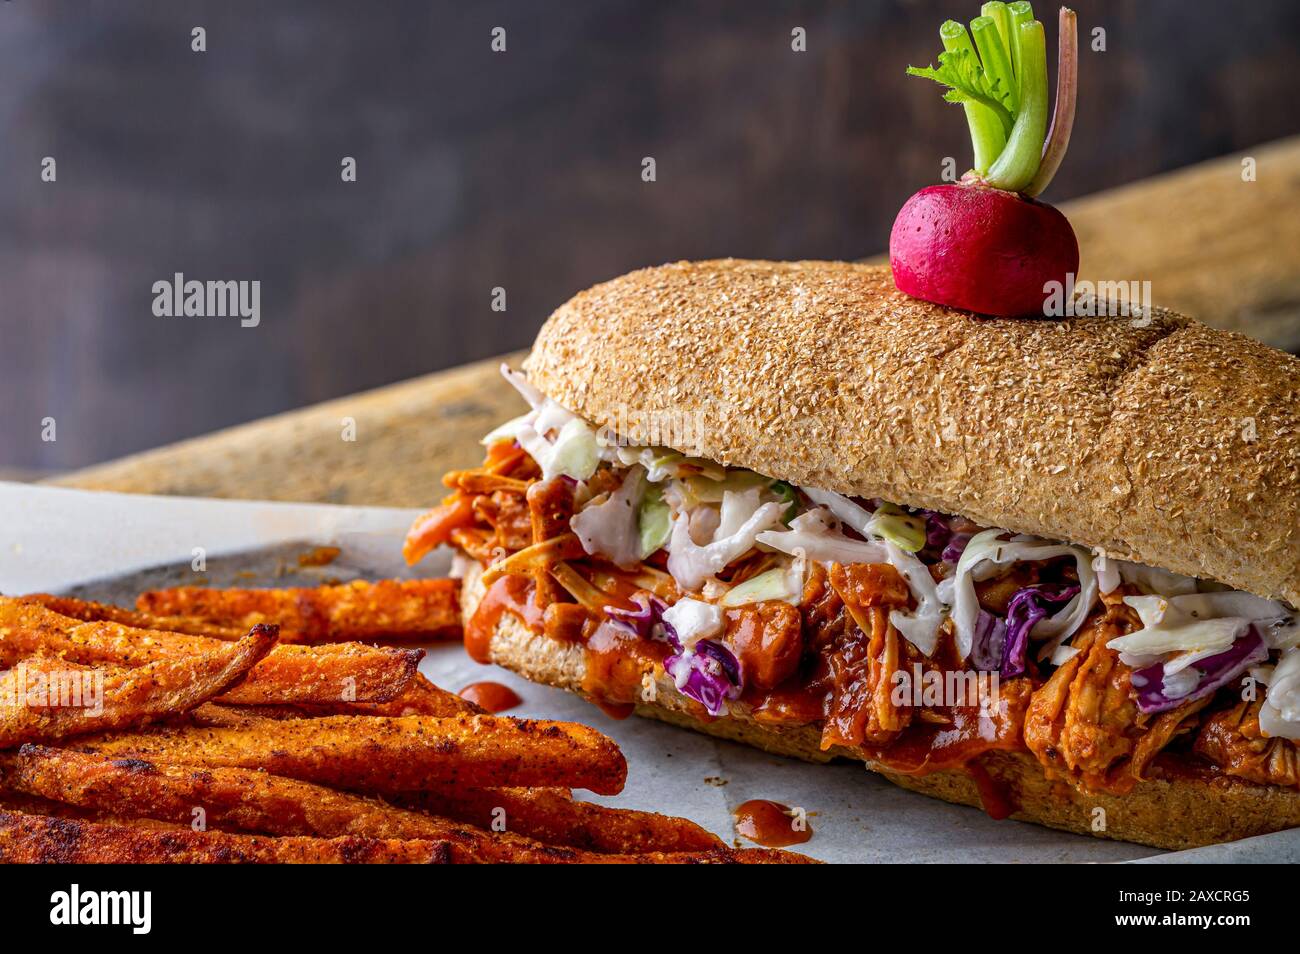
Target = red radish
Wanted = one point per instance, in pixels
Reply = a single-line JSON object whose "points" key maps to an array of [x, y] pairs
{"points": [[981, 249], [984, 244]]}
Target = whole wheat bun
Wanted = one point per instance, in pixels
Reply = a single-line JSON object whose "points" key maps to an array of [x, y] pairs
{"points": [[1154, 438], [1165, 814]]}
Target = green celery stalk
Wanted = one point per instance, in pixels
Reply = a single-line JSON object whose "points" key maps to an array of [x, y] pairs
{"points": [[997, 62], [1019, 12], [996, 10], [986, 133], [1015, 167]]}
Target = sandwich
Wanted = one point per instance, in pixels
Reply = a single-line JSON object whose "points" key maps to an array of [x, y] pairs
{"points": [[1045, 567]]}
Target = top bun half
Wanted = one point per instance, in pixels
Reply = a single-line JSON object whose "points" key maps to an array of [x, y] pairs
{"points": [[1154, 438]]}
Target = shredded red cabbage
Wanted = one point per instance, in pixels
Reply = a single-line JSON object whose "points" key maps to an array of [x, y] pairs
{"points": [[955, 547], [643, 620], [1026, 608], [710, 674], [937, 531], [1216, 671], [941, 541], [989, 641], [1000, 644]]}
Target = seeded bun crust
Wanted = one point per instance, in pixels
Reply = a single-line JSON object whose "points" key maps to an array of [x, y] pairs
{"points": [[1174, 815], [1153, 437]]}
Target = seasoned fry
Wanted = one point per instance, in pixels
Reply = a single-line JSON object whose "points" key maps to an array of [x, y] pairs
{"points": [[288, 674], [327, 753], [257, 802], [420, 698], [231, 798], [551, 815], [324, 675], [386, 755], [36, 839], [91, 612], [387, 610], [33, 805], [124, 698], [214, 715]]}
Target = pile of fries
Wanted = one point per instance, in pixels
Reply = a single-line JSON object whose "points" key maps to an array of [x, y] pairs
{"points": [[267, 725]]}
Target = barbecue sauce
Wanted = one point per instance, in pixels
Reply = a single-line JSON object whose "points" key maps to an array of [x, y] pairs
{"points": [[511, 593], [770, 824], [617, 662], [492, 696], [995, 795]]}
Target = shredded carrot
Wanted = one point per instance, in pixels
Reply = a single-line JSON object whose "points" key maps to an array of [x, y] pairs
{"points": [[502, 457], [435, 527]]}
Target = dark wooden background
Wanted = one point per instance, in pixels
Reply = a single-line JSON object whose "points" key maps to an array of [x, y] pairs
{"points": [[477, 170]]}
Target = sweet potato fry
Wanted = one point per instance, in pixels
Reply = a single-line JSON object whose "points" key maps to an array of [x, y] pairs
{"points": [[91, 612], [33, 805], [256, 802], [324, 675], [121, 699], [34, 839], [388, 610], [420, 698], [288, 674], [385, 755], [551, 815], [215, 715]]}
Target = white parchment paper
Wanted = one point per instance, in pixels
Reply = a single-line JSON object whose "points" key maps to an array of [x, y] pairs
{"points": [[110, 546]]}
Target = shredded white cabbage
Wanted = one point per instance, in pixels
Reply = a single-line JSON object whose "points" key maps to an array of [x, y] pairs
{"points": [[1062, 655], [609, 529], [920, 627], [783, 583], [1228, 603], [1183, 660], [1180, 684], [572, 452], [520, 383], [691, 564], [1166, 629], [811, 535], [659, 464], [1150, 579], [846, 510], [508, 431], [694, 620], [737, 507], [1107, 571], [1279, 716], [984, 557], [1194, 625], [1282, 634]]}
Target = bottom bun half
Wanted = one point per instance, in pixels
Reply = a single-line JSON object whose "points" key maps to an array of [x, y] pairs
{"points": [[1173, 814]]}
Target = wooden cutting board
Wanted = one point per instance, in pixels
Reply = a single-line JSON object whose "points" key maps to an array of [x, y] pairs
{"points": [[1212, 244]]}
